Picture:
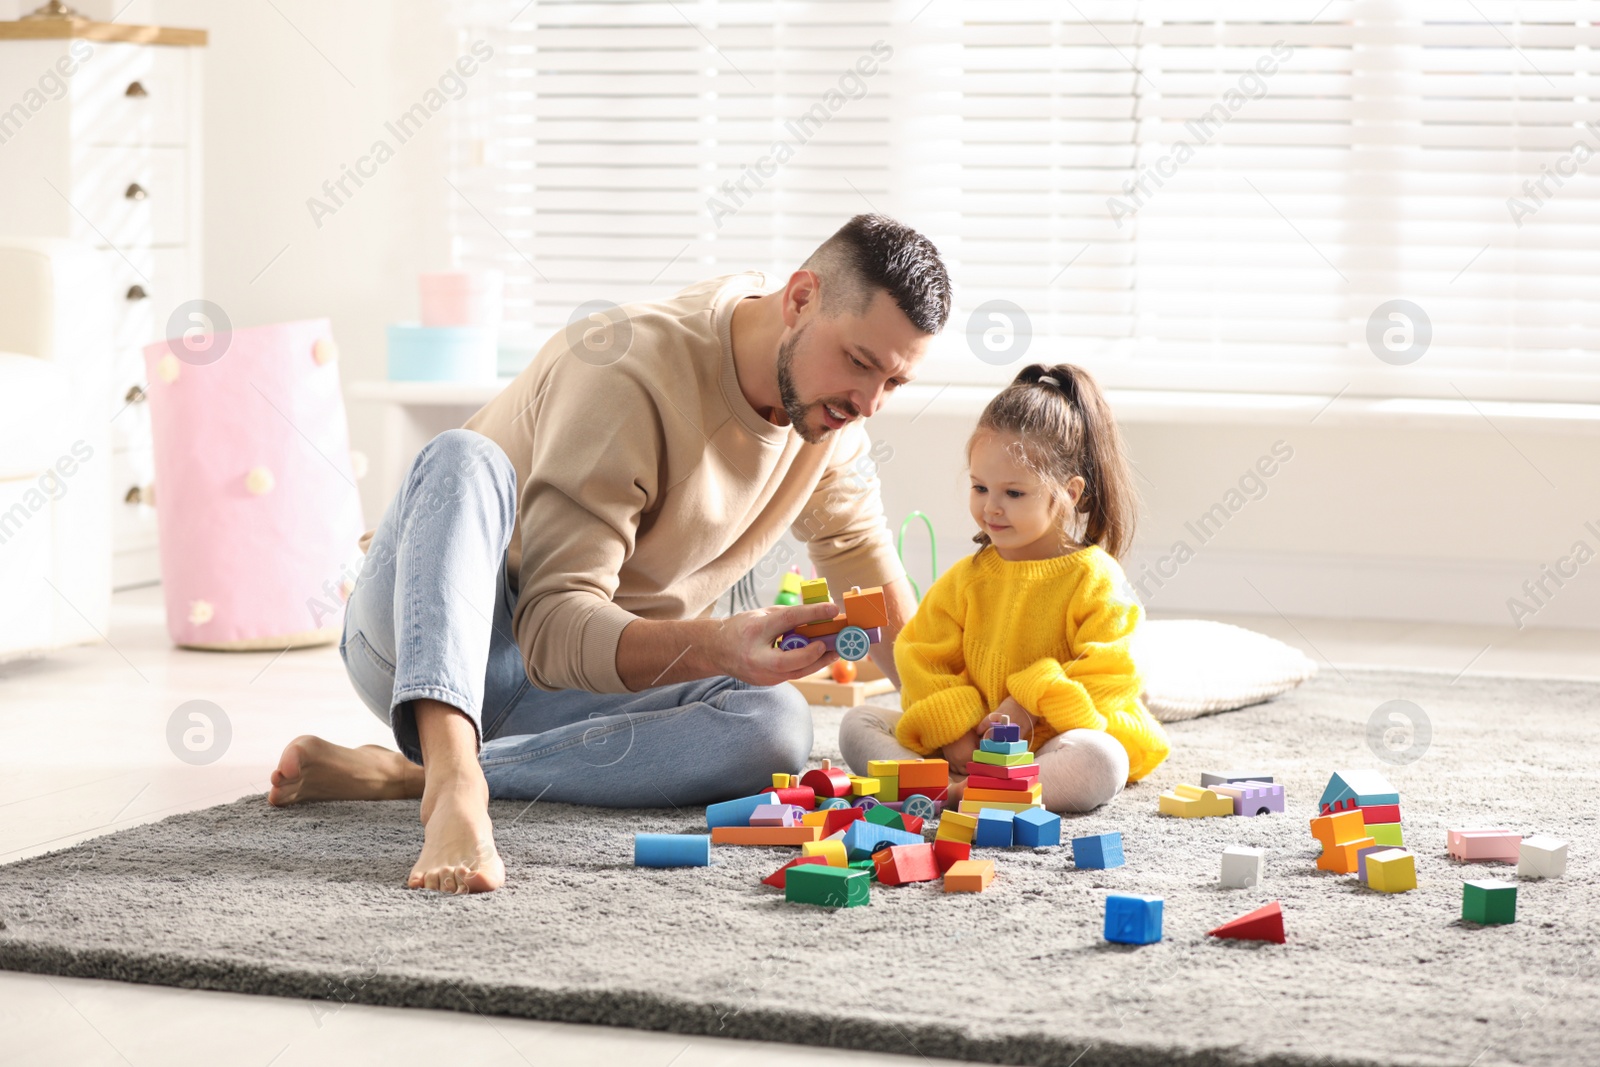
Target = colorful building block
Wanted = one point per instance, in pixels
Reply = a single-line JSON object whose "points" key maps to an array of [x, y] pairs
{"points": [[1003, 748], [862, 838], [827, 780], [957, 826], [1263, 924], [1019, 784], [969, 876], [1005, 730], [785, 781], [884, 815], [832, 852], [947, 853], [1342, 837], [814, 591], [866, 608], [1208, 779], [1485, 846], [916, 774], [1361, 859], [779, 877], [973, 807], [1379, 814], [881, 768], [671, 850], [764, 835], [1242, 867], [994, 829], [1002, 759], [1542, 856], [836, 819], [777, 815], [1133, 920], [828, 887], [994, 770], [1097, 851], [1392, 870], [1036, 828], [737, 812], [1193, 802], [1387, 833], [904, 864], [1353, 789], [1006, 796], [1252, 798], [861, 786], [1489, 902], [888, 788]]}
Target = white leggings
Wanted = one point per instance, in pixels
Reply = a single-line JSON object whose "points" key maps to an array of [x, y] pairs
{"points": [[1080, 769]]}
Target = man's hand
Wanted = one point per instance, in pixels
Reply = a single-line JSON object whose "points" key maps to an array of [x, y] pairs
{"points": [[744, 642]]}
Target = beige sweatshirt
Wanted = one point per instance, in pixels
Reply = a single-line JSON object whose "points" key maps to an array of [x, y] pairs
{"points": [[648, 486]]}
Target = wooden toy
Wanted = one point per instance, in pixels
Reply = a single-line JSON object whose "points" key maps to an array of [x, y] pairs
{"points": [[843, 671], [1378, 814], [1133, 920], [1005, 730], [917, 775], [1003, 748], [785, 781], [1485, 846], [862, 838], [883, 768], [789, 589], [1036, 828], [863, 787], [1241, 867], [1356, 789], [1002, 759], [1489, 902], [1342, 837], [814, 591], [904, 864], [827, 781], [1020, 785], [1252, 798], [1387, 833], [889, 789], [852, 632], [1392, 870], [738, 812], [1208, 779], [1361, 859], [1542, 856], [992, 770], [823, 687], [993, 830], [947, 853], [777, 815], [801, 796], [1192, 802], [1263, 924], [764, 835], [832, 852], [1097, 851], [780, 876], [671, 850], [1006, 796], [836, 819], [957, 826], [973, 807], [968, 876], [828, 887], [884, 815]]}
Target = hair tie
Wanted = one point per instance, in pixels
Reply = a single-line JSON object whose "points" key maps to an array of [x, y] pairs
{"points": [[1045, 378]]}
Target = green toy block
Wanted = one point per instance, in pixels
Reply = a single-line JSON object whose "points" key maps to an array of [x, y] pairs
{"points": [[888, 789], [996, 759], [1489, 902], [828, 887], [865, 865], [1385, 833], [884, 815]]}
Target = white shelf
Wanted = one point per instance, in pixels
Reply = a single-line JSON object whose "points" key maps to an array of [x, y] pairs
{"points": [[428, 394]]}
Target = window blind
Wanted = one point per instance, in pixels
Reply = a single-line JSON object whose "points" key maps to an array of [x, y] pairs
{"points": [[1380, 198]]}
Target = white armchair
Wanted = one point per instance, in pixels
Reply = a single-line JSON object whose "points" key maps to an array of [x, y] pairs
{"points": [[55, 445]]}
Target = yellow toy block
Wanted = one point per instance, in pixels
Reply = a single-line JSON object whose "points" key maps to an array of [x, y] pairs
{"points": [[864, 787], [814, 591], [1192, 802], [815, 818], [883, 768], [972, 807], [956, 826], [790, 583], [1393, 871], [829, 849], [785, 781]]}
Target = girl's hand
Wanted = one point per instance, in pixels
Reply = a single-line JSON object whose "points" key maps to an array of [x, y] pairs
{"points": [[1009, 708], [958, 753]]}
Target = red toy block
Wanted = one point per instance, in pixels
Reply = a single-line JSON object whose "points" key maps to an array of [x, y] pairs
{"points": [[994, 770], [801, 795], [780, 877], [932, 773], [838, 818], [1263, 924], [913, 824], [1022, 784], [903, 864], [827, 781], [947, 853], [1377, 814]]}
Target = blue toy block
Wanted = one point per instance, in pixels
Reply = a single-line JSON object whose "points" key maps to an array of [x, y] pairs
{"points": [[1098, 850], [994, 829], [671, 850], [862, 838], [1366, 788], [737, 812], [1004, 748], [1036, 828], [1132, 920], [1006, 731]]}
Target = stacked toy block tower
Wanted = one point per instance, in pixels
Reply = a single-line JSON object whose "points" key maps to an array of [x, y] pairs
{"points": [[1002, 773], [1370, 793]]}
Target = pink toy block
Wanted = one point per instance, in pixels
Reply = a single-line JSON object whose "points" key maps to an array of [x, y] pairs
{"points": [[1485, 846], [777, 815]]}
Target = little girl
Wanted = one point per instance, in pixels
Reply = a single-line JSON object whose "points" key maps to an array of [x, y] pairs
{"points": [[1036, 623]]}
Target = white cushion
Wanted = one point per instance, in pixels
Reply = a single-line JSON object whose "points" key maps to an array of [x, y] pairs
{"points": [[1195, 667], [35, 397]]}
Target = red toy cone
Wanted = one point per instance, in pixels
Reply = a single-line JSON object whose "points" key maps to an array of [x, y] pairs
{"points": [[1263, 924]]}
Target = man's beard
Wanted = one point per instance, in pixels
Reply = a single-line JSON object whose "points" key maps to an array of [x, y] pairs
{"points": [[790, 396]]}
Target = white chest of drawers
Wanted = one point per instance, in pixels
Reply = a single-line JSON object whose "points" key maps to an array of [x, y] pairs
{"points": [[100, 141]]}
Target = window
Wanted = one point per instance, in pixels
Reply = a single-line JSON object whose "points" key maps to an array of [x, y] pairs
{"points": [[1182, 194]]}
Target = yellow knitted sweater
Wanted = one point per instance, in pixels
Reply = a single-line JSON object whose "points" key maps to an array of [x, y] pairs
{"points": [[1052, 633]]}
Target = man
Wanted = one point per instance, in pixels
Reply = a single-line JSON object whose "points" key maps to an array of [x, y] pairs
{"points": [[533, 618]]}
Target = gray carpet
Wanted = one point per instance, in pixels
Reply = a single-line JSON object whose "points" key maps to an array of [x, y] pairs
{"points": [[307, 903]]}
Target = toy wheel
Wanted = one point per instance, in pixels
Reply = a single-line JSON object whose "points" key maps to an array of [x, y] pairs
{"points": [[792, 642], [829, 803], [867, 803], [1263, 811], [852, 643], [918, 805]]}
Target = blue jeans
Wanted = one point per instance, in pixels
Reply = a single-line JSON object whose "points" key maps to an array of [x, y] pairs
{"points": [[430, 617]]}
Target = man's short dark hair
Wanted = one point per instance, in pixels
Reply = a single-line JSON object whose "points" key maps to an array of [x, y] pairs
{"points": [[873, 252]]}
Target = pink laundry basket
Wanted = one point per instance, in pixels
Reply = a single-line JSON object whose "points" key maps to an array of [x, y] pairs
{"points": [[255, 492]]}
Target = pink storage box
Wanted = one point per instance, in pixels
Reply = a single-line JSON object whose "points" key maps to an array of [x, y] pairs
{"points": [[457, 298], [255, 493]]}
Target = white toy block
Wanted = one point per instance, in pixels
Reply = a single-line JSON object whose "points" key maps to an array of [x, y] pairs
{"points": [[1242, 867], [1542, 856]]}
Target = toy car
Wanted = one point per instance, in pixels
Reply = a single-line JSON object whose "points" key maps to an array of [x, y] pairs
{"points": [[852, 632]]}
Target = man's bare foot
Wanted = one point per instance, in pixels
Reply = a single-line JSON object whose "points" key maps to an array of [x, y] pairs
{"points": [[458, 853], [313, 769]]}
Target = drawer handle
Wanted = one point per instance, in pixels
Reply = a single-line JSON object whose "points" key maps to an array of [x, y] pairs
{"points": [[136, 292], [134, 395], [140, 494], [136, 192], [135, 89]]}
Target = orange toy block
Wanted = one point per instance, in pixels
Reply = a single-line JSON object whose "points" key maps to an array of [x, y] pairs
{"points": [[865, 607], [948, 853], [764, 835], [923, 774], [1342, 837], [1006, 796], [969, 876]]}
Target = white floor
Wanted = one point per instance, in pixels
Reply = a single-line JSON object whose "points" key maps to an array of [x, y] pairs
{"points": [[84, 751]]}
